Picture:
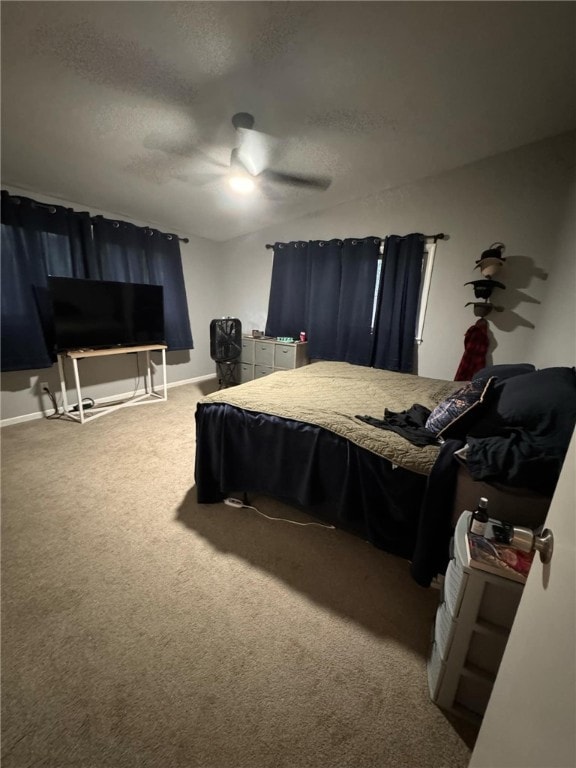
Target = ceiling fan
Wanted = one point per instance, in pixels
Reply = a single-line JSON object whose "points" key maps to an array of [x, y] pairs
{"points": [[252, 158], [250, 165]]}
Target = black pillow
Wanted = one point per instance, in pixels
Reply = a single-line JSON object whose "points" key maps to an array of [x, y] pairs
{"points": [[504, 371], [542, 401]]}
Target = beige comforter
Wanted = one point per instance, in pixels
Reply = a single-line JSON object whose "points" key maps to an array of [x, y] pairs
{"points": [[331, 395]]}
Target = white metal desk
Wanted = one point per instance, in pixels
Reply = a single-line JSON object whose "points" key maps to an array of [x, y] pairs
{"points": [[149, 396]]}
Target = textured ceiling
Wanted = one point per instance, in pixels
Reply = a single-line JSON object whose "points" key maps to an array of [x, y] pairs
{"points": [[126, 106]]}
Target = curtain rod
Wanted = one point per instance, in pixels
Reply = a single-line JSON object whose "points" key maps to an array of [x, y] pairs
{"points": [[52, 209], [169, 235], [434, 238]]}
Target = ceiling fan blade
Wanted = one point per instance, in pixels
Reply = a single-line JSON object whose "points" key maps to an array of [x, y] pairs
{"points": [[184, 149], [198, 179], [271, 191], [255, 150], [310, 182], [236, 164]]}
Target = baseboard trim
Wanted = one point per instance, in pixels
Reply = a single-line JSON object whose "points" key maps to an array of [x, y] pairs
{"points": [[108, 399]]}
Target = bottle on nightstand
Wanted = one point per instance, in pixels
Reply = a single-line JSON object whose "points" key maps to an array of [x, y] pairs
{"points": [[479, 518]]}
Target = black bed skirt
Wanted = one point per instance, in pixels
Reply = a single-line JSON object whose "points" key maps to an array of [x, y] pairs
{"points": [[309, 468]]}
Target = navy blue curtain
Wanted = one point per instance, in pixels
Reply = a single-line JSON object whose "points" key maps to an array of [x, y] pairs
{"points": [[288, 290], [354, 338], [326, 288], [351, 311], [40, 240], [398, 299], [127, 253], [37, 240], [324, 283]]}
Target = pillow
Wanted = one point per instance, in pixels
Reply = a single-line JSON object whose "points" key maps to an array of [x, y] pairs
{"points": [[504, 371], [541, 402], [453, 416]]}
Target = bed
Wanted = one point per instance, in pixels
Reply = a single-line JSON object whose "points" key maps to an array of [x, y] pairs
{"points": [[294, 435], [320, 439]]}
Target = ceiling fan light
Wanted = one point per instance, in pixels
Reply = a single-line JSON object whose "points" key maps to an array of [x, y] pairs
{"points": [[242, 184]]}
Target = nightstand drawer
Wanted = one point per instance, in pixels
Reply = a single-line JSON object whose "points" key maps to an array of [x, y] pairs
{"points": [[284, 356]]}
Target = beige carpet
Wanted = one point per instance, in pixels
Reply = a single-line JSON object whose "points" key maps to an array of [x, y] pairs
{"points": [[142, 630]]}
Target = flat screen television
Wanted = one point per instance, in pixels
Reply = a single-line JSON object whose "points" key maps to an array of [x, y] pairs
{"points": [[99, 314]]}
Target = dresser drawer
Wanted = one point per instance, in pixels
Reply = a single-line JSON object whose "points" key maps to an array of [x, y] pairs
{"points": [[454, 584], [262, 370], [284, 356], [443, 630], [247, 354], [435, 669], [246, 372], [264, 353]]}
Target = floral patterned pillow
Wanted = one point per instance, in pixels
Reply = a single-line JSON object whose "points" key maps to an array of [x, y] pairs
{"points": [[453, 416]]}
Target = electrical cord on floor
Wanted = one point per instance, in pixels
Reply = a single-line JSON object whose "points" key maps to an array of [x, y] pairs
{"points": [[111, 403], [56, 414], [231, 502], [87, 402], [138, 377]]}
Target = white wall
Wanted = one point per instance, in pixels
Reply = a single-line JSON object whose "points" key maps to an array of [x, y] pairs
{"points": [[555, 336], [520, 198], [109, 377]]}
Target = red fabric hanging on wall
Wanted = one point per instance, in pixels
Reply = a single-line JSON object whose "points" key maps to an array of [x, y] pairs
{"points": [[476, 344]]}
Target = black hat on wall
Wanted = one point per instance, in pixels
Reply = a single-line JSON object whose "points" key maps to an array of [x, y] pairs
{"points": [[483, 288]]}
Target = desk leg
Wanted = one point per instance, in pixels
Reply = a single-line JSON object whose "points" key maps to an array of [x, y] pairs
{"points": [[165, 386], [148, 374], [65, 405], [78, 390]]}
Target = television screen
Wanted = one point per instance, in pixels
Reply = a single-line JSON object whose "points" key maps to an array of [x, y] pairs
{"points": [[97, 314]]}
